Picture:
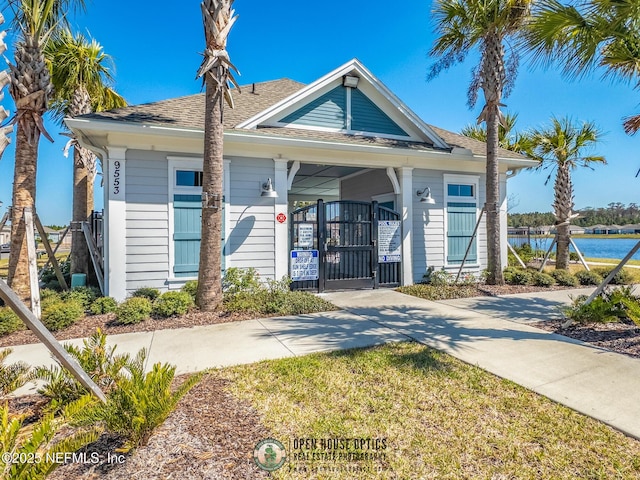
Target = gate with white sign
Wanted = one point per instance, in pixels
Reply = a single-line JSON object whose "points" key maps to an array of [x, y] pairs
{"points": [[345, 245]]}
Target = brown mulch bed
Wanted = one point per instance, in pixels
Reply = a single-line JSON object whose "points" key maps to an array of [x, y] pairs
{"points": [[211, 435]]}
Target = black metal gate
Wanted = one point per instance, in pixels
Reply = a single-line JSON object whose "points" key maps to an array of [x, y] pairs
{"points": [[345, 236]]}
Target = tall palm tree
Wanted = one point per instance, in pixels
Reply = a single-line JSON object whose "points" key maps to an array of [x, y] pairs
{"points": [[35, 21], [588, 35], [508, 137], [462, 27], [81, 77], [218, 18], [561, 145]]}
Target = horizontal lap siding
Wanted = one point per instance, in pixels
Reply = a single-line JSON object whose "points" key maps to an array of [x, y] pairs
{"points": [[251, 240], [147, 220]]}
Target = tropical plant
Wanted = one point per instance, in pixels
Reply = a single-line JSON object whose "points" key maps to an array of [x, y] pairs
{"points": [[12, 376], [99, 361], [590, 34], [463, 26], [508, 137], [619, 304], [141, 402], [34, 451], [561, 146], [218, 18], [34, 22], [81, 77]]}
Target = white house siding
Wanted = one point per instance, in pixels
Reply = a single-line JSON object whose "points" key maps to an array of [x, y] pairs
{"points": [[251, 238], [364, 187], [429, 234], [147, 220]]}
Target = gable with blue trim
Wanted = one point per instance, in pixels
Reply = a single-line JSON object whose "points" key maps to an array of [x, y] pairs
{"points": [[331, 111]]}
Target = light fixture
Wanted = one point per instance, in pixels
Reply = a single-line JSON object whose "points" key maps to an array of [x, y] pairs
{"points": [[350, 81], [426, 196], [268, 191]]}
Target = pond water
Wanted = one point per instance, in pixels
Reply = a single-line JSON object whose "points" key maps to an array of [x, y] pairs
{"points": [[615, 248]]}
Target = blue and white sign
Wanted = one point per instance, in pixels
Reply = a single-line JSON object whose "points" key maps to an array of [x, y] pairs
{"points": [[389, 241], [304, 265]]}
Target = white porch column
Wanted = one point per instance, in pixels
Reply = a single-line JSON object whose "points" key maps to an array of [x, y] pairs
{"points": [[503, 221], [406, 209], [115, 241], [281, 186]]}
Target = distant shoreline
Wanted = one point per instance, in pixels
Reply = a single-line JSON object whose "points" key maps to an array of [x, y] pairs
{"points": [[585, 235]]}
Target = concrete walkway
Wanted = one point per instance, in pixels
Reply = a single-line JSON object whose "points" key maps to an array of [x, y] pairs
{"points": [[492, 333]]}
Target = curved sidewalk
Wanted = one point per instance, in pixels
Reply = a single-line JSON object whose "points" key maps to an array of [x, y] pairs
{"points": [[490, 332]]}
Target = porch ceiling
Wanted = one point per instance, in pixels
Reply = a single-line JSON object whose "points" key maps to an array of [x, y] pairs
{"points": [[320, 180]]}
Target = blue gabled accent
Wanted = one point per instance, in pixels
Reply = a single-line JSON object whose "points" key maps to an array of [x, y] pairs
{"points": [[366, 116], [328, 111], [461, 221]]}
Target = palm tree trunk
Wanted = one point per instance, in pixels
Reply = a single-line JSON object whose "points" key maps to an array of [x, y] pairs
{"points": [[209, 294], [493, 76], [82, 206], [24, 195], [563, 205]]}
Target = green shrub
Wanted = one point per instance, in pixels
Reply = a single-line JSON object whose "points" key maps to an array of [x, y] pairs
{"points": [[12, 376], [440, 277], [172, 303], [83, 295], [541, 279], [141, 402], [191, 287], [516, 276], [147, 292], [588, 278], [237, 280], [133, 310], [437, 292], [60, 314], [49, 278], [613, 306], [99, 361], [623, 277], [103, 305], [9, 321], [564, 278], [48, 293]]}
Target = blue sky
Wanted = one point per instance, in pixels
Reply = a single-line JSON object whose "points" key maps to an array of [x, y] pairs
{"points": [[156, 45]]}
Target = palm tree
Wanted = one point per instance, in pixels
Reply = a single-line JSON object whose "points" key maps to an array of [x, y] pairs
{"points": [[508, 137], [463, 26], [35, 21], [588, 35], [561, 146], [218, 18], [81, 77]]}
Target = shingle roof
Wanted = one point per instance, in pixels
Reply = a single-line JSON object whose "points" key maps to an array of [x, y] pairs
{"points": [[188, 112]]}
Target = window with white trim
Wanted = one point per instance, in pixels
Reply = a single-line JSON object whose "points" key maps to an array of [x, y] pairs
{"points": [[461, 216]]}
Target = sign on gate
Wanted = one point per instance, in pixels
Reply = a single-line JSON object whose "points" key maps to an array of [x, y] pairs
{"points": [[304, 265], [305, 235], [389, 241]]}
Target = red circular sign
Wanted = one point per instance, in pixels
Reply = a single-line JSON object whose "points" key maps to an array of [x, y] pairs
{"points": [[281, 217]]}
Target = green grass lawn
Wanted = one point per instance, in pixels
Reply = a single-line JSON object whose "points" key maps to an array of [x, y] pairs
{"points": [[440, 418], [612, 261]]}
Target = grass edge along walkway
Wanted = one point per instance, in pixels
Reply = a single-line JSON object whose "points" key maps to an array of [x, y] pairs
{"points": [[440, 418]]}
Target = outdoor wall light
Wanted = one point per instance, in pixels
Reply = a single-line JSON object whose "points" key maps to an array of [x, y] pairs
{"points": [[426, 196], [268, 191], [350, 81]]}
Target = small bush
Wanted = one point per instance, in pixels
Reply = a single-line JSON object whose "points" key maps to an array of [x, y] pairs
{"points": [[49, 278], [147, 292], [83, 295], [541, 279], [12, 376], [564, 278], [103, 305], [516, 276], [623, 277], [172, 303], [436, 292], [48, 293], [616, 305], [58, 315], [588, 278], [9, 321], [141, 402], [191, 287], [133, 310], [237, 280], [440, 278]]}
